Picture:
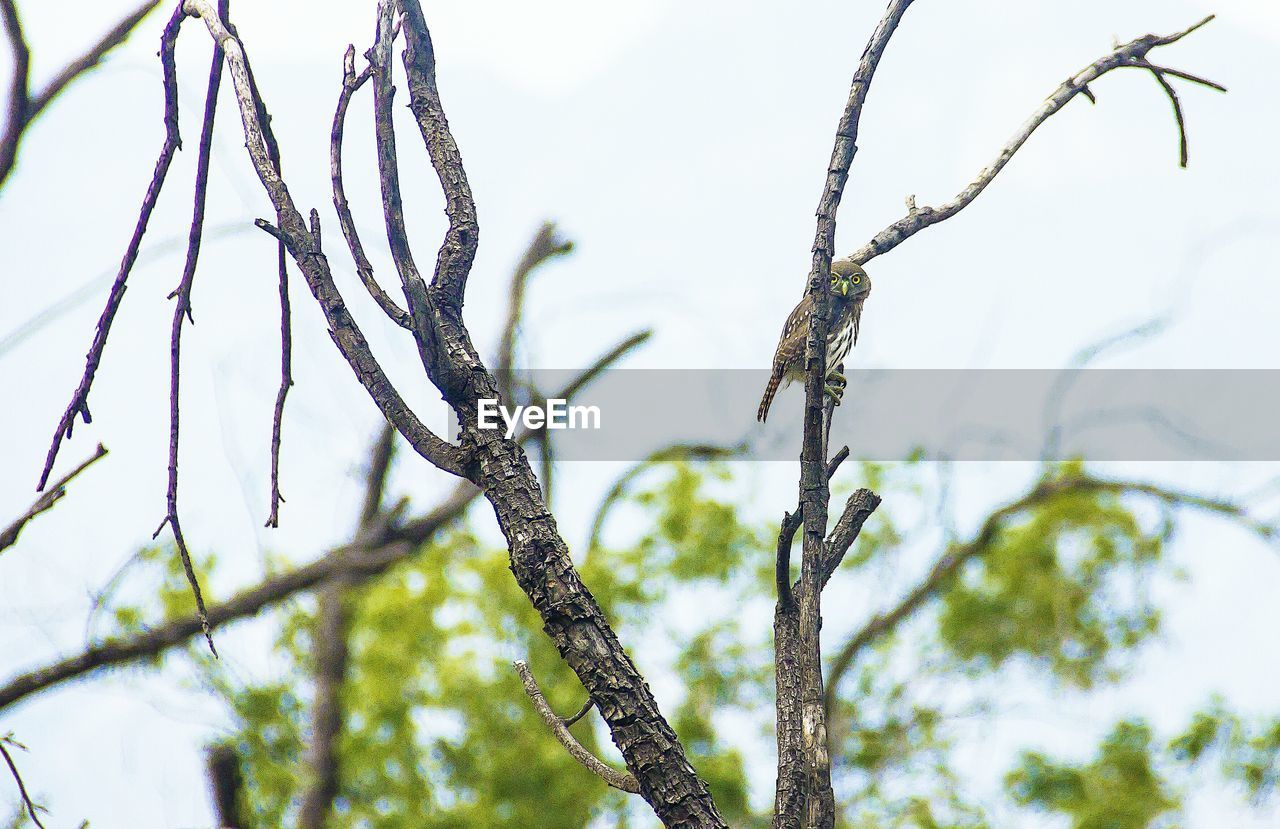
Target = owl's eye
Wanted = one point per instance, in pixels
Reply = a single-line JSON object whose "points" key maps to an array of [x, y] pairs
{"points": [[857, 279]]}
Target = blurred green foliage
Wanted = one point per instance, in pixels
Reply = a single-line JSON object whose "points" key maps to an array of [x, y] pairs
{"points": [[438, 731]]}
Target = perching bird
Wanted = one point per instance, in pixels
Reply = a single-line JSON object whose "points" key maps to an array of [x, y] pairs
{"points": [[850, 286]]}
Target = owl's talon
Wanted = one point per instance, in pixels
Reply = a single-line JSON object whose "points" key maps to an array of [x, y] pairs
{"points": [[835, 392]]}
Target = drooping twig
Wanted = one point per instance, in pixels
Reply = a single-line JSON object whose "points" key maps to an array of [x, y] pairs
{"points": [[31, 807], [182, 313], [803, 792], [272, 148], [79, 405], [949, 563], [350, 83], [617, 779], [9, 535], [1132, 54]]}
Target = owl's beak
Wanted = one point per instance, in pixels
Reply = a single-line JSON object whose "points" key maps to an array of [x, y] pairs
{"points": [[844, 288]]}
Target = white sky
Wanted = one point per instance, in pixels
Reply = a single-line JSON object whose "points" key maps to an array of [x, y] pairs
{"points": [[682, 146]]}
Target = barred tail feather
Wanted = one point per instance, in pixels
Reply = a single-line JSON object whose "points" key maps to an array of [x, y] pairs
{"points": [[767, 401]]}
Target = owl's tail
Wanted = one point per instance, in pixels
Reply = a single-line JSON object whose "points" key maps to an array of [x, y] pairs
{"points": [[765, 402]]}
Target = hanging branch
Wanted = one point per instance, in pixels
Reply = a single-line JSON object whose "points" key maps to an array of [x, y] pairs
{"points": [[181, 312], [1132, 54], [79, 405]]}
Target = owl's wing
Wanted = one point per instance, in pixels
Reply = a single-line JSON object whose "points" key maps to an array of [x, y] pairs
{"points": [[790, 351]]}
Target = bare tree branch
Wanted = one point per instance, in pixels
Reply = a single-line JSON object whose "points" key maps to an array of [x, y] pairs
{"points": [[182, 312], [303, 245], [949, 563], [857, 510], [803, 793], [9, 535], [1132, 54], [31, 807], [19, 102], [350, 83], [560, 729], [79, 406], [24, 107], [91, 58], [787, 533]]}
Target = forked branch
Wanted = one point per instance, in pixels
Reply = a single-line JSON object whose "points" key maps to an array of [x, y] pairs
{"points": [[1132, 55], [560, 729]]}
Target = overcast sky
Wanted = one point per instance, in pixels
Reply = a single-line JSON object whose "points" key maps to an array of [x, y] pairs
{"points": [[682, 146]]}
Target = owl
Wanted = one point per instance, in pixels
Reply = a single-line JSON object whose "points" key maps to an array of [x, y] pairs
{"points": [[850, 287]]}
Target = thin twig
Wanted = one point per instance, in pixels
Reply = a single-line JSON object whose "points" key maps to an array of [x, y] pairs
{"points": [[582, 712], [379, 57], [31, 807], [1132, 54], [282, 272], [182, 313], [9, 535], [79, 405], [621, 780], [350, 83]]}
